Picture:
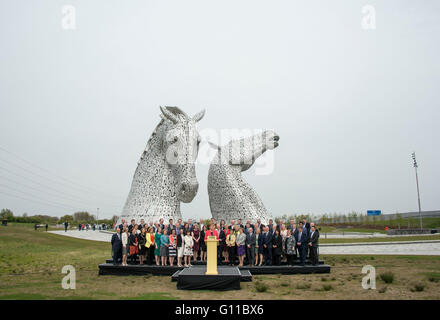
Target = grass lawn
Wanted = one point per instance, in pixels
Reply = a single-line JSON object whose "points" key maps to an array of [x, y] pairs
{"points": [[31, 263]]}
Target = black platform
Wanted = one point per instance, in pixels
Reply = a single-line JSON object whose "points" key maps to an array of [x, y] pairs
{"points": [[284, 269], [194, 278], [246, 276], [137, 269]]}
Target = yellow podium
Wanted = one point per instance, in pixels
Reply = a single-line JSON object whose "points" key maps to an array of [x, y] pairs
{"points": [[211, 256]]}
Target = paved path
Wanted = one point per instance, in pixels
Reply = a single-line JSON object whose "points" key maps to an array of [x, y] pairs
{"points": [[362, 235], [87, 235], [429, 247]]}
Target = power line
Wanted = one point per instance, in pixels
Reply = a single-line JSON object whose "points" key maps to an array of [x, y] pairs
{"points": [[39, 175], [33, 200], [31, 195], [52, 173], [45, 186], [50, 193]]}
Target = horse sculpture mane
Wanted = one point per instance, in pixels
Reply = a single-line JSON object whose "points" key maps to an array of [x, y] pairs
{"points": [[230, 196], [165, 173]]}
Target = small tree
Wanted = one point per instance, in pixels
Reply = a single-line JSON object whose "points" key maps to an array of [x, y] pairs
{"points": [[67, 217], [6, 214]]}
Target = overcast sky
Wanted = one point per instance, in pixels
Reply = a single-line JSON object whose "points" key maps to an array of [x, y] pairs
{"points": [[350, 105]]}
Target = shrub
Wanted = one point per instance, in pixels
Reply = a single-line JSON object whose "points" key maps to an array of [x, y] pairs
{"points": [[323, 279], [327, 287], [260, 287], [418, 287], [387, 277], [303, 286], [433, 277]]}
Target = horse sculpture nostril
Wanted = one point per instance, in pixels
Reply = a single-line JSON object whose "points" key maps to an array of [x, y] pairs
{"points": [[189, 187], [276, 138]]}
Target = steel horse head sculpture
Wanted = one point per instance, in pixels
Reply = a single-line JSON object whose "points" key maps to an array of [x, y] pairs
{"points": [[230, 197], [165, 174]]}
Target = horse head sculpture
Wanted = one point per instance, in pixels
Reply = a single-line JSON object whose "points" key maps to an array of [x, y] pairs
{"points": [[165, 175], [230, 196]]}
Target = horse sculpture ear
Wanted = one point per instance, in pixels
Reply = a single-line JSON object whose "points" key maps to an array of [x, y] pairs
{"points": [[214, 146], [197, 117], [168, 114]]}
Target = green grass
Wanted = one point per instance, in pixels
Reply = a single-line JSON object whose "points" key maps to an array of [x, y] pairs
{"points": [[151, 296], [23, 296], [432, 276], [31, 263]]}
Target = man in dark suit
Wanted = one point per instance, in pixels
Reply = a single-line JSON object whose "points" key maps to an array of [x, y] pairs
{"points": [[306, 226], [270, 225], [171, 226], [249, 225], [66, 224], [267, 247], [121, 226], [131, 226], [161, 225], [117, 246], [251, 240], [191, 225], [313, 245], [301, 243], [257, 225], [142, 224]]}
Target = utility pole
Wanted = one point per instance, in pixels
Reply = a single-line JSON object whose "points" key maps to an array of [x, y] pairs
{"points": [[418, 192], [97, 215]]}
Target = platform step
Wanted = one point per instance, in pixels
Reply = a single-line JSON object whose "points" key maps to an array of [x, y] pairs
{"points": [[111, 269], [194, 278], [246, 275]]}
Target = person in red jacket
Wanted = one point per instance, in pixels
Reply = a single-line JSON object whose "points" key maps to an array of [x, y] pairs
{"points": [[211, 232]]}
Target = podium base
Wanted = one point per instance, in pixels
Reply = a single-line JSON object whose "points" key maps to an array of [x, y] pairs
{"points": [[196, 278]]}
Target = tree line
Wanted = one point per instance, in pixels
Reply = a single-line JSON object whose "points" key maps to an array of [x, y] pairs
{"points": [[75, 218]]}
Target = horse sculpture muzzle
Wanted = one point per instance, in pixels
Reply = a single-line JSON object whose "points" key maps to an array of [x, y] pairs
{"points": [[187, 191]]}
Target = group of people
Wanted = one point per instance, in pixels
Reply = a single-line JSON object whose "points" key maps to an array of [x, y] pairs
{"points": [[184, 243], [87, 226]]}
